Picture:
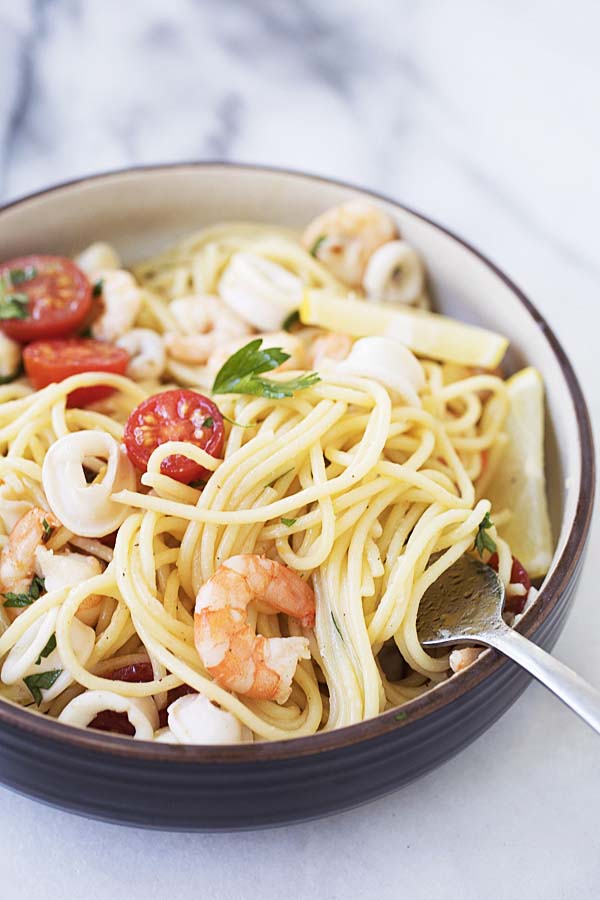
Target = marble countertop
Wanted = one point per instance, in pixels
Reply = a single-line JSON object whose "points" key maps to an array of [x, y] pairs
{"points": [[483, 116]]}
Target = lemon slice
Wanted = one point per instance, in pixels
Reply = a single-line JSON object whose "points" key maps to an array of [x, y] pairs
{"points": [[519, 483], [427, 334]]}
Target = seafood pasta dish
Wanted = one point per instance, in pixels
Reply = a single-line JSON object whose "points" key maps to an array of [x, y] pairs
{"points": [[229, 473]]}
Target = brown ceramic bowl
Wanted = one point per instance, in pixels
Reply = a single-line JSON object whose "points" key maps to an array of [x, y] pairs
{"points": [[248, 786]]}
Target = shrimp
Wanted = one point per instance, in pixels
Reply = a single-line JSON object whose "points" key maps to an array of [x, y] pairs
{"points": [[289, 343], [237, 658], [147, 353], [96, 257], [205, 322], [17, 561], [344, 237], [333, 346], [460, 659], [121, 302]]}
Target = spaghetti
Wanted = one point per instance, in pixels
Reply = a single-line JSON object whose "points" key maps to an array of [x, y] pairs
{"points": [[366, 496]]}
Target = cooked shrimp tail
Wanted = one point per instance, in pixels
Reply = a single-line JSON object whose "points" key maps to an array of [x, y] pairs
{"points": [[235, 656]]}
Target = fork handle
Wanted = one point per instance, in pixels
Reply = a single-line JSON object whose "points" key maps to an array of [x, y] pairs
{"points": [[569, 687]]}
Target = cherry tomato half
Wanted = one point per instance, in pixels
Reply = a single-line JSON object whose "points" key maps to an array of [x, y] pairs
{"points": [[518, 575], [108, 719], [59, 297], [49, 361], [177, 415]]}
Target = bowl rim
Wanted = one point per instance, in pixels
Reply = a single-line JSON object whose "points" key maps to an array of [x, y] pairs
{"points": [[37, 725]]}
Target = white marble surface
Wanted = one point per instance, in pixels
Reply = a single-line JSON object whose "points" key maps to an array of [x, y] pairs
{"points": [[486, 117]]}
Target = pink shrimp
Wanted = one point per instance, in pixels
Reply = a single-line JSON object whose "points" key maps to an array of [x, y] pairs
{"points": [[236, 657], [17, 561]]}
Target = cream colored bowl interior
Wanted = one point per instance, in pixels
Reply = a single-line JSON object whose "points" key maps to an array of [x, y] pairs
{"points": [[143, 210]]}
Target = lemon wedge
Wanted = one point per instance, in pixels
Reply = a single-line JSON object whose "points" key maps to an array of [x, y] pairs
{"points": [[519, 483], [427, 334]]}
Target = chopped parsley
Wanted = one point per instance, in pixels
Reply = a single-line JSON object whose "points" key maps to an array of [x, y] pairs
{"points": [[483, 541], [97, 288], [337, 627], [291, 320], [50, 646], [239, 424], [48, 530], [13, 306], [315, 247], [241, 373], [42, 682], [288, 522], [400, 717], [20, 601], [198, 484], [18, 276], [208, 422]]}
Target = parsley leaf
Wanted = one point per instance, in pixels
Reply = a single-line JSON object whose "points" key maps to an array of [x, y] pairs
{"points": [[482, 540], [198, 485], [97, 288], [41, 682], [20, 601], [18, 276], [48, 529], [239, 424], [400, 717], [291, 320], [241, 373], [337, 627], [13, 306], [50, 646], [315, 247], [208, 422], [288, 522]]}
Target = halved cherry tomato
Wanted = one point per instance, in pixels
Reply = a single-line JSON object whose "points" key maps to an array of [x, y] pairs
{"points": [[59, 297], [49, 361], [108, 719], [178, 415], [518, 575]]}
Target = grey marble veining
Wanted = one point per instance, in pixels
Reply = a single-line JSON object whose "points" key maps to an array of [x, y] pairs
{"points": [[485, 116]]}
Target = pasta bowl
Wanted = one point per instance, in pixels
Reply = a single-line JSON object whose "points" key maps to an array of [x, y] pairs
{"points": [[247, 786]]}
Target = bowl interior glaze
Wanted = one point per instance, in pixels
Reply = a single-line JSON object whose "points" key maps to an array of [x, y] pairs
{"points": [[142, 210]]}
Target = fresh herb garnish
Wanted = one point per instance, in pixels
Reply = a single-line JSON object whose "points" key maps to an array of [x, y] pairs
{"points": [[41, 682], [86, 333], [48, 530], [315, 247], [208, 422], [97, 288], [337, 627], [20, 601], [50, 646], [238, 424], [483, 541], [198, 484], [291, 320], [18, 276], [400, 717], [13, 306], [288, 522], [241, 373]]}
